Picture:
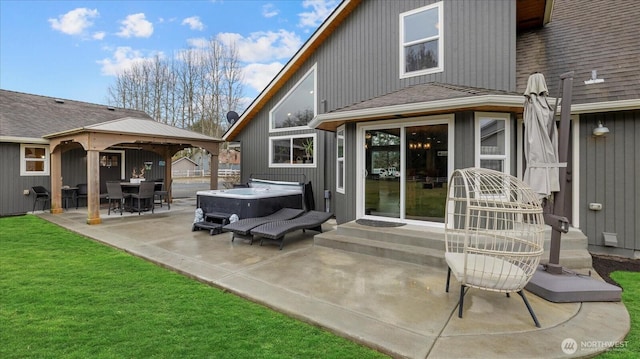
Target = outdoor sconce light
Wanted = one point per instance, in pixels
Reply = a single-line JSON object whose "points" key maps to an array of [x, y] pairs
{"points": [[600, 130]]}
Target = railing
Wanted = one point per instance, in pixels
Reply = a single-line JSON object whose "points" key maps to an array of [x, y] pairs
{"points": [[202, 173]]}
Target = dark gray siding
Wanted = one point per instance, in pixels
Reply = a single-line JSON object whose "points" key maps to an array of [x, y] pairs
{"points": [[74, 171], [137, 158], [610, 175], [13, 201], [464, 137], [74, 167], [360, 60]]}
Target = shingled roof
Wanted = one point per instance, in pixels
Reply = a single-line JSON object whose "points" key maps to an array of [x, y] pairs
{"points": [[34, 116], [433, 91], [584, 36], [421, 100]]}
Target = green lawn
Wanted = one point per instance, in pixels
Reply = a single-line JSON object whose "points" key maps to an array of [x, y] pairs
{"points": [[65, 296], [630, 283]]}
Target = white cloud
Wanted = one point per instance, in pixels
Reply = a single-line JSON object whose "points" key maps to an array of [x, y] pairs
{"points": [[75, 22], [263, 46], [258, 76], [269, 10], [135, 25], [122, 59], [320, 10], [99, 35], [194, 23], [199, 42]]}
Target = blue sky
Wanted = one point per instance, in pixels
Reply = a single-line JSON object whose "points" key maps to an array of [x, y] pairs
{"points": [[72, 49]]}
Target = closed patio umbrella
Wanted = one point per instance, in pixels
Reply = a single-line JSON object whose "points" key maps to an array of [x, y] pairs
{"points": [[546, 173], [540, 139]]}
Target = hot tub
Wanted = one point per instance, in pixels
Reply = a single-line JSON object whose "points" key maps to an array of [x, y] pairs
{"points": [[261, 199]]}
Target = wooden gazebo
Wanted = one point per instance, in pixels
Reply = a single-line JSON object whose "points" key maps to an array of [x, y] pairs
{"points": [[142, 133]]}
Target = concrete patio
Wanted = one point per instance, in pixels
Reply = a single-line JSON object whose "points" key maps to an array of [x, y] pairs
{"points": [[398, 308]]}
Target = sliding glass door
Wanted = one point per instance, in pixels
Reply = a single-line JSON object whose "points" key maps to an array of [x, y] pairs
{"points": [[382, 180], [405, 168]]}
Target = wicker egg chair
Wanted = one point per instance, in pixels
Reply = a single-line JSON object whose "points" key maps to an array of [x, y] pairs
{"points": [[494, 233]]}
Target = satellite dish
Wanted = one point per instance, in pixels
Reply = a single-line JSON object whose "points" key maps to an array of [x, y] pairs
{"points": [[232, 117]]}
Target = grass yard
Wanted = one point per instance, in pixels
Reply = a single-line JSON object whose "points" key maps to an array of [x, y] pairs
{"points": [[630, 282], [65, 296]]}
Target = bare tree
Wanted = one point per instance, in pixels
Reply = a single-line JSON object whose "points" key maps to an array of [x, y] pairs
{"points": [[193, 89]]}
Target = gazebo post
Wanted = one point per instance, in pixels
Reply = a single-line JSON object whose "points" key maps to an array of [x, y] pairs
{"points": [[56, 180], [93, 187], [168, 179], [213, 156]]}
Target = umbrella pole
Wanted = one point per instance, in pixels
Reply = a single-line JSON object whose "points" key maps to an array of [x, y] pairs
{"points": [[561, 224]]}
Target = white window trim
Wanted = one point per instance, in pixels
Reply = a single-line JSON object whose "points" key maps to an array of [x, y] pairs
{"points": [[295, 165], [440, 37], [448, 119], [23, 160], [507, 138], [340, 135], [285, 97]]}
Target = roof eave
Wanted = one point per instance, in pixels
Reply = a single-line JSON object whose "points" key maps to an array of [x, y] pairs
{"points": [[318, 37], [607, 106], [72, 131], [18, 139]]}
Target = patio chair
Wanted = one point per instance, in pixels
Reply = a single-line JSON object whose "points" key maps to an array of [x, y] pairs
{"points": [[41, 194], [494, 233], [160, 194], [144, 197], [115, 195], [276, 230], [82, 192], [242, 228]]}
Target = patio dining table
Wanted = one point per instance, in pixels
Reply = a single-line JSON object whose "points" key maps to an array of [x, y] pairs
{"points": [[133, 188], [68, 193]]}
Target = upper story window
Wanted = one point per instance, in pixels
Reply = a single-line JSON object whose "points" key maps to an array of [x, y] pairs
{"points": [[492, 141], [421, 45], [297, 107], [34, 160]]}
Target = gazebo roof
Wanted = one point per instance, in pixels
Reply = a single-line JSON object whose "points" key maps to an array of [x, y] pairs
{"points": [[143, 127]]}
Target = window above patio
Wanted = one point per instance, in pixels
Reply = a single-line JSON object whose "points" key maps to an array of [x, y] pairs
{"points": [[297, 107]]}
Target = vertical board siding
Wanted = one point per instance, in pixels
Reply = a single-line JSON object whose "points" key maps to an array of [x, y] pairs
{"points": [[13, 200], [610, 175], [464, 155], [360, 61], [137, 158], [74, 167]]}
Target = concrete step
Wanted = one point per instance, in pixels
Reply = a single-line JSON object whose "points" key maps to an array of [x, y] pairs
{"points": [[571, 258], [410, 235], [425, 245], [574, 239], [389, 250]]}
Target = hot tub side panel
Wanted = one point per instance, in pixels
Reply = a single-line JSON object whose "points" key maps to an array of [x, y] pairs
{"points": [[248, 208]]}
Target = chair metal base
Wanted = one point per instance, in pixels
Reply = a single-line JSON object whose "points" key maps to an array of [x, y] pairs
{"points": [[463, 292]]}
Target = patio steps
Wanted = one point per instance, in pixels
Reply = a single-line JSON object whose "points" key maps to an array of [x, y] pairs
{"points": [[425, 245]]}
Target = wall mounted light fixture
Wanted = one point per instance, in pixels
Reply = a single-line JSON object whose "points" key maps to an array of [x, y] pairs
{"points": [[601, 130]]}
